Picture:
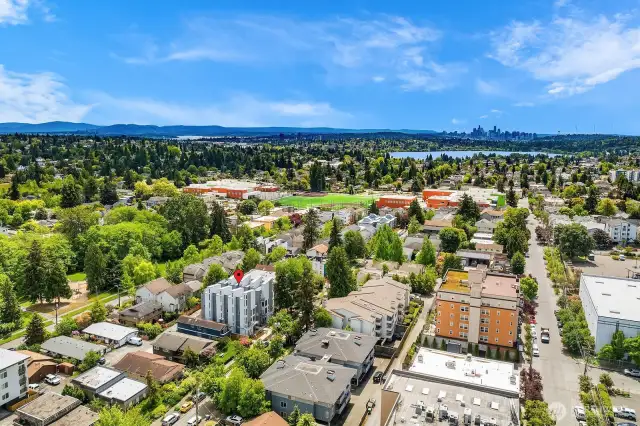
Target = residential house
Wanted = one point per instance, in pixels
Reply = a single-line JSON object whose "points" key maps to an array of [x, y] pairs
{"points": [[489, 247], [96, 380], [474, 258], [319, 388], [434, 226], [124, 393], [195, 286], [270, 418], [346, 348], [68, 347], [13, 376], [411, 246], [138, 364], [201, 327], [492, 215], [243, 306], [112, 334], [486, 226], [172, 345], [228, 260], [622, 230], [156, 201], [54, 409], [377, 221], [174, 299], [142, 312], [150, 291], [375, 309], [318, 256], [39, 365], [367, 231]]}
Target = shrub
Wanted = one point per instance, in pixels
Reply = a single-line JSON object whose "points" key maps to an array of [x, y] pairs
{"points": [[158, 411]]}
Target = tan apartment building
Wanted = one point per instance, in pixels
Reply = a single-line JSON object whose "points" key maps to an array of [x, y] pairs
{"points": [[480, 307]]}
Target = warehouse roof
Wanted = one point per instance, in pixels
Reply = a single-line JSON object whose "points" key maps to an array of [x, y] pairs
{"points": [[613, 297]]}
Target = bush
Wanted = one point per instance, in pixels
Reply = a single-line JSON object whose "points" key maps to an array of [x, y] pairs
{"points": [[606, 402], [158, 411], [150, 330]]}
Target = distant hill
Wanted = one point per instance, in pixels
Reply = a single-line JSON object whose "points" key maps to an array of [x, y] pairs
{"points": [[62, 127]]}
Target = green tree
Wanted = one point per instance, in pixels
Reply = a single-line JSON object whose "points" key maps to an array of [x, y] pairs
{"points": [[310, 232], [73, 222], [529, 288], [276, 255], [536, 413], [573, 240], [322, 318], [143, 273], [114, 416], [252, 399], [66, 326], [306, 419], [219, 223], [354, 245], [113, 272], [606, 207], [191, 358], [339, 273], [283, 324], [512, 231], [386, 245], [229, 396], [518, 263], [451, 239], [10, 312], [592, 200], [56, 284], [215, 274], [71, 193], [617, 344], [414, 226], [265, 207], [90, 360], [427, 254], [335, 239], [450, 261], [108, 193], [95, 267], [174, 271], [373, 208], [34, 275], [294, 416], [247, 207], [512, 198], [254, 360], [35, 334], [251, 258], [98, 312], [415, 211], [188, 215], [14, 191], [276, 347], [468, 209]]}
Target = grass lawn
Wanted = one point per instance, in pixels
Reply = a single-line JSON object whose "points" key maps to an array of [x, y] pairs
{"points": [[302, 201], [501, 201], [78, 276]]}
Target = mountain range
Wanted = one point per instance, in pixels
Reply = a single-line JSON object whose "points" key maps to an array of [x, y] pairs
{"points": [[64, 127]]}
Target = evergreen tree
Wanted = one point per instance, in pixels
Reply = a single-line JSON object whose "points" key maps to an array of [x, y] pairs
{"points": [[71, 193], [294, 416], [14, 190], [311, 229], [354, 245], [512, 198], [98, 312], [34, 274], [339, 273], [56, 284], [9, 307], [373, 208], [427, 255], [219, 223], [35, 334], [335, 239], [113, 272], [416, 211], [468, 209], [108, 194], [591, 203], [95, 267], [518, 263]]}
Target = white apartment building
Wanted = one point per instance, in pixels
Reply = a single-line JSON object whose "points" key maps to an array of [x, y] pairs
{"points": [[621, 230], [375, 309], [244, 307], [631, 175], [13, 376]]}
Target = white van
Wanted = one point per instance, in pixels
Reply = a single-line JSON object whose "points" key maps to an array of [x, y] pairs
{"points": [[193, 421], [135, 340]]}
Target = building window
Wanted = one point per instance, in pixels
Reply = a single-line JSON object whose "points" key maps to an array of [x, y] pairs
{"points": [[283, 404], [464, 317], [452, 306], [510, 342], [463, 335], [438, 321], [437, 330], [464, 308], [451, 324], [498, 313], [450, 333], [484, 312], [496, 340], [511, 333], [497, 330], [5, 385], [511, 314], [484, 329], [498, 322], [450, 315], [484, 339], [5, 396], [439, 313], [464, 326], [511, 323], [439, 303], [3, 375], [484, 320]]}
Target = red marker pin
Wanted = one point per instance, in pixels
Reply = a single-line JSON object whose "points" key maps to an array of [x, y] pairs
{"points": [[238, 274]]}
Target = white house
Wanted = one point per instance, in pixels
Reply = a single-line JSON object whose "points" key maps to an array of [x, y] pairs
{"points": [[243, 306], [13, 376], [174, 299], [610, 304], [622, 230], [150, 291], [111, 334]]}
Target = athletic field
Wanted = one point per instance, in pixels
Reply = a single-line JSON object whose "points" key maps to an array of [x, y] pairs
{"points": [[302, 201]]}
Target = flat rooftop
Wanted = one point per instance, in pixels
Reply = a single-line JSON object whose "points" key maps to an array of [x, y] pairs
{"points": [[500, 285], [464, 369], [453, 282], [49, 405], [614, 297], [406, 396]]}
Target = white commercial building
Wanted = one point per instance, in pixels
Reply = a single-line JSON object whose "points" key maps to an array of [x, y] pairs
{"points": [[244, 307], [610, 304], [111, 334], [13, 376]]}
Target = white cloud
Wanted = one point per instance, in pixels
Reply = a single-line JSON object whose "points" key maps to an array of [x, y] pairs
{"points": [[524, 104], [457, 121], [240, 110], [571, 55], [13, 12], [487, 87], [483, 116], [561, 3], [36, 98], [379, 48]]}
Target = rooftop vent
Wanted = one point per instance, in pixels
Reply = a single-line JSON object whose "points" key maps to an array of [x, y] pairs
{"points": [[332, 333], [615, 312], [325, 342], [606, 294], [357, 337], [331, 375], [357, 343]]}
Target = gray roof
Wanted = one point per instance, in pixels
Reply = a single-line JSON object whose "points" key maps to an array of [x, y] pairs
{"points": [[9, 358], [106, 330], [97, 377], [612, 297], [124, 390], [474, 254], [141, 309], [173, 341], [48, 407], [80, 416], [347, 346], [69, 347], [300, 378]]}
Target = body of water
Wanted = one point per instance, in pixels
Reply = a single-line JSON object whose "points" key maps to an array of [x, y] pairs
{"points": [[421, 155]]}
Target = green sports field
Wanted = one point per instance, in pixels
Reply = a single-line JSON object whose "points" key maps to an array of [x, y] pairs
{"points": [[301, 201]]}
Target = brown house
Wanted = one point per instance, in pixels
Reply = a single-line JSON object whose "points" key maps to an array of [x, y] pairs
{"points": [[270, 418], [142, 312], [138, 364], [39, 365], [172, 345]]}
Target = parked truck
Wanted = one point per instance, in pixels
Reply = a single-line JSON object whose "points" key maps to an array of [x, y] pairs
{"points": [[544, 335]]}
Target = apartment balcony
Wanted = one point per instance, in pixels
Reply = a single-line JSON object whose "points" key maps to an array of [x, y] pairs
{"points": [[378, 320]]}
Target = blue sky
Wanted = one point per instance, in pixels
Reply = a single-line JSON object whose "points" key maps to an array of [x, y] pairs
{"points": [[533, 65]]}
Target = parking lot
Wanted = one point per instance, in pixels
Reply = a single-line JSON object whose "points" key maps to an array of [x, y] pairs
{"points": [[605, 265]]}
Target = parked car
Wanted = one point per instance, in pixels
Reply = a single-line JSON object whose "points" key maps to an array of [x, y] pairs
{"points": [[186, 406], [624, 413], [579, 412], [102, 361], [198, 397], [536, 350], [626, 424], [622, 257], [377, 377], [193, 421], [170, 419], [135, 341], [370, 404], [234, 420], [632, 372], [52, 379], [34, 386]]}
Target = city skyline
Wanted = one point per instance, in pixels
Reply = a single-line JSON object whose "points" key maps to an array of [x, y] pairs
{"points": [[554, 66]]}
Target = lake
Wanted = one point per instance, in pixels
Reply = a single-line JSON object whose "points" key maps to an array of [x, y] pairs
{"points": [[461, 154]]}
